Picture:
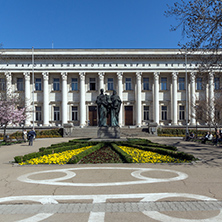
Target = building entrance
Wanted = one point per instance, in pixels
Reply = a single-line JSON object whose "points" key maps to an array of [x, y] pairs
{"points": [[128, 115], [92, 115]]}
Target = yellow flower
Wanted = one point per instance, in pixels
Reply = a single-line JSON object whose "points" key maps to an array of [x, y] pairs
{"points": [[141, 156], [55, 158]]}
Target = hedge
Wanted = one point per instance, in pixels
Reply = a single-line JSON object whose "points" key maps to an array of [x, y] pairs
{"points": [[178, 132], [125, 156]]}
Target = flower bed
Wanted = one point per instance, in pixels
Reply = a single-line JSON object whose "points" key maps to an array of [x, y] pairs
{"points": [[85, 151], [56, 158], [140, 156], [103, 155]]}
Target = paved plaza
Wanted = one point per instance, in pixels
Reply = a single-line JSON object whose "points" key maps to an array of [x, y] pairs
{"points": [[112, 192]]}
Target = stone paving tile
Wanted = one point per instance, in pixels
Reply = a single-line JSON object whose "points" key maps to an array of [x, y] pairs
{"points": [[111, 207]]}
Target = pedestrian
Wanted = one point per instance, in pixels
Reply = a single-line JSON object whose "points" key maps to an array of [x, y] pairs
{"points": [[24, 134], [31, 136], [217, 137], [208, 136]]}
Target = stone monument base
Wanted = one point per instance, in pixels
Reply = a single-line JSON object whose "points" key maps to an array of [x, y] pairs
{"points": [[112, 132]]}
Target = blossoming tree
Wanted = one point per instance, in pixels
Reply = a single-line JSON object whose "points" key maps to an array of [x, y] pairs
{"points": [[11, 112]]}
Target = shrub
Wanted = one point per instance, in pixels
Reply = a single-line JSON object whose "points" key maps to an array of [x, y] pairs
{"points": [[126, 157]]}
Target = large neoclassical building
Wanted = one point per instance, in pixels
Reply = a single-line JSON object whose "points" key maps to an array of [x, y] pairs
{"points": [[63, 84]]}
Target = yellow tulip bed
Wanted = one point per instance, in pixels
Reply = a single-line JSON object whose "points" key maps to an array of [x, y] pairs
{"points": [[141, 156], [56, 158]]}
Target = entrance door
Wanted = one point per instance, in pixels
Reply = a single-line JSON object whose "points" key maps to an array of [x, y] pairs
{"points": [[92, 115], [128, 115]]}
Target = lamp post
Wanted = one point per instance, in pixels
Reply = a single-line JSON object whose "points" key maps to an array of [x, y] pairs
{"points": [[33, 89], [186, 82]]}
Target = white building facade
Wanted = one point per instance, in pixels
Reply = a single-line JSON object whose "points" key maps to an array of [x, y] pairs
{"points": [[150, 82]]}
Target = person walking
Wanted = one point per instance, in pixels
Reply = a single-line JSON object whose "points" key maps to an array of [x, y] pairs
{"points": [[31, 136]]}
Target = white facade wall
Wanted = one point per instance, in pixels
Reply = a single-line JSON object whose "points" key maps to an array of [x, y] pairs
{"points": [[91, 70]]}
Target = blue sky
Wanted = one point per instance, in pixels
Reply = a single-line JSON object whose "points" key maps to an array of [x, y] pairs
{"points": [[86, 24]]}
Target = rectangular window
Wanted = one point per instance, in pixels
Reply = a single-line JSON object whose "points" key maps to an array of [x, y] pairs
{"points": [[181, 83], [199, 83], [217, 114], [92, 83], [2, 84], [163, 83], [38, 113], [38, 84], [146, 113], [20, 84], [216, 83], [164, 112], [56, 83], [56, 113], [74, 113], [74, 84], [145, 83], [110, 84], [182, 112], [128, 84]]}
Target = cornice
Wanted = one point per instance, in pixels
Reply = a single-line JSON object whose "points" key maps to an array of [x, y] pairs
{"points": [[86, 54]]}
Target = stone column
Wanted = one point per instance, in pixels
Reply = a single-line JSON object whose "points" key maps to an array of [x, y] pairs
{"points": [[211, 96], [45, 98], [82, 100], [193, 98], [8, 77], [64, 97], [156, 109], [120, 93], [28, 99], [174, 98], [101, 80], [138, 99]]}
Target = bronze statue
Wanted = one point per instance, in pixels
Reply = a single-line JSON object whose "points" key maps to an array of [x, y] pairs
{"points": [[108, 105], [102, 103], [115, 108]]}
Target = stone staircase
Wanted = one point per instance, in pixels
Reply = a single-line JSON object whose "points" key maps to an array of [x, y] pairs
{"points": [[125, 132]]}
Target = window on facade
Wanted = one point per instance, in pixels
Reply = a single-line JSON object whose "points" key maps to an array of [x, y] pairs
{"points": [[217, 114], [182, 112], [110, 84], [146, 113], [164, 112], [92, 83], [216, 83], [38, 84], [74, 113], [145, 83], [2, 84], [181, 83], [74, 84], [163, 83], [56, 113], [56, 84], [199, 83], [128, 84], [38, 113], [20, 84]]}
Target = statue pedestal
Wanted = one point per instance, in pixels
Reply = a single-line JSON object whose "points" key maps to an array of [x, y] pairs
{"points": [[112, 132]]}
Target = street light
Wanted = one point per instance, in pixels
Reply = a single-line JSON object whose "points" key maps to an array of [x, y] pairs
{"points": [[186, 82], [33, 89]]}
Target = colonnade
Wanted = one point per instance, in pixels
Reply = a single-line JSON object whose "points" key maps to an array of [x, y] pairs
{"points": [[138, 97]]}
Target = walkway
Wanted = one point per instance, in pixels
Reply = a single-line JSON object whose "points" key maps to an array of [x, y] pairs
{"points": [[112, 192]]}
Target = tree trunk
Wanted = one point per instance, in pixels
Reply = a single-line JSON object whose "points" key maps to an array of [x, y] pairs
{"points": [[4, 139]]}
